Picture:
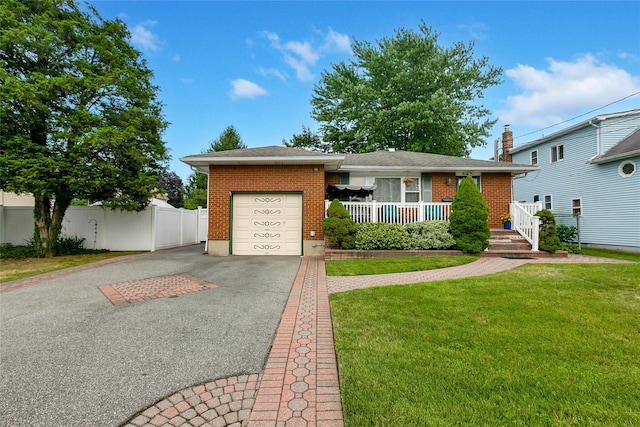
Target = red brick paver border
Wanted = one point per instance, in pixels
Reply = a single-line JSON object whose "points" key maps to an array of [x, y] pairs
{"points": [[153, 288], [219, 403], [300, 384]]}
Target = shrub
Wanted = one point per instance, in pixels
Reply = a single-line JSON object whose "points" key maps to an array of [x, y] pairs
{"points": [[469, 220], [10, 251], [566, 233], [338, 226], [549, 241], [430, 235], [66, 245], [379, 235]]}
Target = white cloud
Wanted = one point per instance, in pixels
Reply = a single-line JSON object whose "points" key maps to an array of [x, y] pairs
{"points": [[241, 88], [272, 72], [303, 55], [144, 38], [548, 96], [336, 42], [476, 30]]}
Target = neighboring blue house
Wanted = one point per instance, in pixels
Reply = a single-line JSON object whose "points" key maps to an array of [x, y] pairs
{"points": [[589, 169]]}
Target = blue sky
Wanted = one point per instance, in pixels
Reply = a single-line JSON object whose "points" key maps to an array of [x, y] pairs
{"points": [[254, 64]]}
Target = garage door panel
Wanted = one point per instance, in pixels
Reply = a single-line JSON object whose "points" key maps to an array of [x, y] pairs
{"points": [[267, 224]]}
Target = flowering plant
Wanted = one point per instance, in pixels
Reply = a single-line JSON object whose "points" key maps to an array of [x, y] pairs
{"points": [[505, 217], [407, 181]]}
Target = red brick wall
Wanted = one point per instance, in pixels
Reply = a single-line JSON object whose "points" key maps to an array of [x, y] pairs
{"points": [[224, 180], [496, 190], [440, 188]]}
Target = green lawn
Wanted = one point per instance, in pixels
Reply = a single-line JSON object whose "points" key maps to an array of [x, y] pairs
{"points": [[357, 267], [542, 345], [19, 269], [606, 253]]}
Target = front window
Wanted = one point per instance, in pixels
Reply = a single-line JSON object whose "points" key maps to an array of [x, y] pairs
{"points": [[397, 190], [411, 189], [388, 190]]}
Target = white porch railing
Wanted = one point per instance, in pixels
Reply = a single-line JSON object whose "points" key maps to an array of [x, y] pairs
{"points": [[396, 213], [524, 221]]}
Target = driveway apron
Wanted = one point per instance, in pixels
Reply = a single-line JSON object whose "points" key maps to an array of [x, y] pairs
{"points": [[70, 355]]}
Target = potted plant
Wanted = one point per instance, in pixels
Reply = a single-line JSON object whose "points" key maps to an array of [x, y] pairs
{"points": [[506, 220], [407, 181]]}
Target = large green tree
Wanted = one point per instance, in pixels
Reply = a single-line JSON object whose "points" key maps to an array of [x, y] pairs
{"points": [[229, 139], [79, 116], [196, 188], [308, 140], [407, 92]]}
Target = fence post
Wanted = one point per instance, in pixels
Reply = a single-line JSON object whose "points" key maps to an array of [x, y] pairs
{"points": [[374, 211], [152, 243]]}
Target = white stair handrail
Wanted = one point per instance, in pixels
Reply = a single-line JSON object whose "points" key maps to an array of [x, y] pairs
{"points": [[525, 222]]}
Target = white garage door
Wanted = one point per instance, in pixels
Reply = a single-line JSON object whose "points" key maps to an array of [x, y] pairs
{"points": [[267, 224]]}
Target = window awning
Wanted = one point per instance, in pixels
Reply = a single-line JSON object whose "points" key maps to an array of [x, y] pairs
{"points": [[350, 190]]}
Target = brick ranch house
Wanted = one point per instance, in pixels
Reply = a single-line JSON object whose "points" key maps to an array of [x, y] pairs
{"points": [[272, 200]]}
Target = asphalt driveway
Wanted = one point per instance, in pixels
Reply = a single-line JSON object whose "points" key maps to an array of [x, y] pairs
{"points": [[68, 356]]}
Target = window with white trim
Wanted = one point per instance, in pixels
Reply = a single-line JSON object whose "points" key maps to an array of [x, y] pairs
{"points": [[557, 153], [534, 157], [397, 190], [576, 207], [547, 202]]}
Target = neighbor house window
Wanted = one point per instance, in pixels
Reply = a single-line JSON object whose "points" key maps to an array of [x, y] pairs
{"points": [[557, 153], [534, 157], [536, 198], [576, 207], [547, 202]]}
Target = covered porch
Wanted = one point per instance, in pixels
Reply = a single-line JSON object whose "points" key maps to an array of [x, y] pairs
{"points": [[524, 222]]}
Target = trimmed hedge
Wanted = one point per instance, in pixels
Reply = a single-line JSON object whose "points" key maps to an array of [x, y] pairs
{"points": [[418, 235], [338, 226], [379, 235], [430, 235]]}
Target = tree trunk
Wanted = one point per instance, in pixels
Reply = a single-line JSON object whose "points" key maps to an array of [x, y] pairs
{"points": [[48, 223]]}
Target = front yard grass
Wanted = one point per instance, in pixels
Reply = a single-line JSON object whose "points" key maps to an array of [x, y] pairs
{"points": [[606, 253], [11, 269], [544, 344], [357, 267]]}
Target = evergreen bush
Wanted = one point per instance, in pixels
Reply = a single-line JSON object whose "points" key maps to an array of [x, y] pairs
{"points": [[379, 235], [469, 220], [549, 240], [339, 227], [430, 235]]}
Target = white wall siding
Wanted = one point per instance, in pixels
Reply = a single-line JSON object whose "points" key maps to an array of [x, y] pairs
{"points": [[610, 203]]}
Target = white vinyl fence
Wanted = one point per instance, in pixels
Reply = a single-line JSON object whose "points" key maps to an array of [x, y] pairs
{"points": [[152, 229]]}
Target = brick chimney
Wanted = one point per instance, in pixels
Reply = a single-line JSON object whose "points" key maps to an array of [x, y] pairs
{"points": [[507, 144]]}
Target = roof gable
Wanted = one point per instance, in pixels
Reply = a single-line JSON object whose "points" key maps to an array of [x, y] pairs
{"points": [[628, 147]]}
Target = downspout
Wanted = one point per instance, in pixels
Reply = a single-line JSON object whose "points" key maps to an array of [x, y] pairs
{"points": [[597, 137], [206, 242]]}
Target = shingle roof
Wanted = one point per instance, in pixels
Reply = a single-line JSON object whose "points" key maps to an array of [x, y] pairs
{"points": [[423, 161], [378, 160], [628, 147]]}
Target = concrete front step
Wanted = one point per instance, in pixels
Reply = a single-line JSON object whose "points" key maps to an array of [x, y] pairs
{"points": [[507, 240]]}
